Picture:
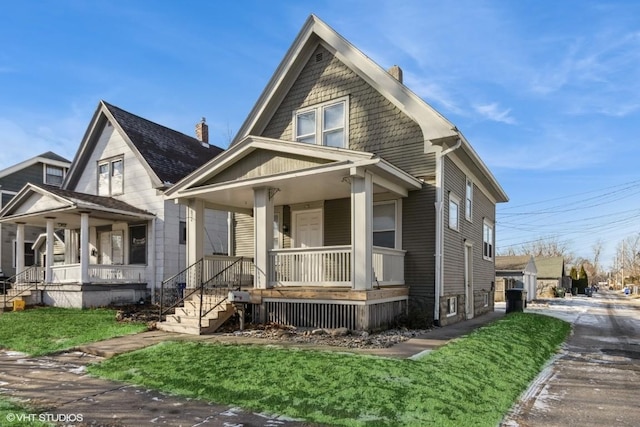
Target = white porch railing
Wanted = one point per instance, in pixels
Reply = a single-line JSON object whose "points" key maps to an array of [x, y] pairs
{"points": [[70, 273], [322, 266], [388, 266], [30, 275]]}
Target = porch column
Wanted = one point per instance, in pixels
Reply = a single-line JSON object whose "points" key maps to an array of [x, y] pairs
{"points": [[195, 231], [48, 272], [19, 248], [84, 247], [263, 232], [362, 229]]}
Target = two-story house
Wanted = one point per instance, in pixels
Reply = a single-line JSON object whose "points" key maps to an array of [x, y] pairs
{"points": [[47, 168], [355, 201], [121, 237]]}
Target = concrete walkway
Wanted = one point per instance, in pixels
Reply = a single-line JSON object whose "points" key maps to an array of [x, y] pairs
{"points": [[60, 386]]}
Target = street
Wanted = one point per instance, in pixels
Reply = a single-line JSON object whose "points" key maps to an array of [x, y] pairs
{"points": [[595, 380]]}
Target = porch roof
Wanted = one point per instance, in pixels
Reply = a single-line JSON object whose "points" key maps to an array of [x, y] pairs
{"points": [[325, 175], [34, 204]]}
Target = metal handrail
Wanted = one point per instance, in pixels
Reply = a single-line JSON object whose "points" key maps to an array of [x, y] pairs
{"points": [[239, 260], [12, 279], [163, 310]]}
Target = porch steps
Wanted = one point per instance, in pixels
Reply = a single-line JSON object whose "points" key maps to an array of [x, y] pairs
{"points": [[185, 319], [13, 295]]}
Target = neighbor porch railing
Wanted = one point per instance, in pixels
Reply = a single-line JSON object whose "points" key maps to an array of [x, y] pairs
{"points": [[71, 273], [388, 266]]}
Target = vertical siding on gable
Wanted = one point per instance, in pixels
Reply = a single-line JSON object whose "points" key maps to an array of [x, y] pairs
{"points": [[375, 124], [337, 222], [418, 239]]}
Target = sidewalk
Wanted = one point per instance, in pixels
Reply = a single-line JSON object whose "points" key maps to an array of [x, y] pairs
{"points": [[59, 382]]}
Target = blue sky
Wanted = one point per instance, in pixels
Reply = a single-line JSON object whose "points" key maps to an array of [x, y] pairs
{"points": [[547, 92]]}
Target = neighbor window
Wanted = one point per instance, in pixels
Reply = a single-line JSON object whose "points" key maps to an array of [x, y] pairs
{"points": [[323, 124], [487, 240], [138, 244], [183, 233], [53, 175], [468, 203], [110, 177], [384, 224], [454, 211]]}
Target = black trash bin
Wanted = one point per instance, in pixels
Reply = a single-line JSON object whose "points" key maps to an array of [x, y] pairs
{"points": [[516, 299]]}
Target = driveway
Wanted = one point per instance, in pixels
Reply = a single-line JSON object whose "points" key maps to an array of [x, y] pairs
{"points": [[595, 381]]}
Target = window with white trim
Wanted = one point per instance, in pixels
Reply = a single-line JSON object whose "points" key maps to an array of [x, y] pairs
{"points": [[452, 306], [323, 124], [53, 175], [487, 240], [276, 230], [384, 224], [454, 211], [110, 177], [468, 202]]}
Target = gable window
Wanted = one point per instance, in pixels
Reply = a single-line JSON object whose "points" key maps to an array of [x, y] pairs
{"points": [[53, 175], [487, 240], [384, 224], [468, 203], [110, 177], [323, 124], [454, 211]]}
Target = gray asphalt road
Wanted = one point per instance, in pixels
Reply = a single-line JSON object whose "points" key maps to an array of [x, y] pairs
{"points": [[595, 381]]}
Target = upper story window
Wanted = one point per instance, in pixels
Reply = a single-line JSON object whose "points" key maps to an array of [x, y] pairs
{"points": [[323, 124], [53, 175], [468, 203], [487, 240], [110, 177], [454, 211]]}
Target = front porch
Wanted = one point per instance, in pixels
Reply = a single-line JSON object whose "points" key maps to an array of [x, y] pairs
{"points": [[323, 227], [104, 255]]}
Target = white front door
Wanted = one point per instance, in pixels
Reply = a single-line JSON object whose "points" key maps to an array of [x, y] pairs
{"points": [[307, 229]]}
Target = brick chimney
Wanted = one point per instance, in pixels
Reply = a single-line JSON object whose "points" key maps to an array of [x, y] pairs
{"points": [[396, 72], [202, 132]]}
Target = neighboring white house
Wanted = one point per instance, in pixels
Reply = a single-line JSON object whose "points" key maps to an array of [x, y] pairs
{"points": [[121, 237]]}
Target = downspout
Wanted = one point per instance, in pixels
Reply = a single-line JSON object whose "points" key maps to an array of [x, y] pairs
{"points": [[439, 204], [152, 262]]}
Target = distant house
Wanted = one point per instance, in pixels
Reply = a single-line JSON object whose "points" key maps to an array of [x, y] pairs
{"points": [[111, 237], [551, 274], [354, 200], [47, 168], [515, 272]]}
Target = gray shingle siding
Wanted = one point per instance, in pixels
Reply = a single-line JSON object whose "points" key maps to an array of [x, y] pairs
{"points": [[418, 239], [18, 179], [375, 124]]}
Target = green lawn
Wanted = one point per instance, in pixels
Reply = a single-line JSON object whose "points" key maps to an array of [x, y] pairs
{"points": [[13, 414], [472, 381], [45, 330]]}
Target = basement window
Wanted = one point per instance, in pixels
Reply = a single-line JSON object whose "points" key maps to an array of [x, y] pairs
{"points": [[452, 306]]}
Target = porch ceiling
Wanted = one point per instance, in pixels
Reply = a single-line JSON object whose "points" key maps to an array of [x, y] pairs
{"points": [[326, 182]]}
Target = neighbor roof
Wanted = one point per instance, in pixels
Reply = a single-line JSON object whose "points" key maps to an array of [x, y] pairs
{"points": [[49, 157], [512, 263], [550, 267], [169, 155]]}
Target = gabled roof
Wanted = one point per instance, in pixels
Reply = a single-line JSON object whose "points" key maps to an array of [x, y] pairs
{"points": [[550, 267], [514, 263], [168, 155], [42, 201], [49, 158], [436, 129]]}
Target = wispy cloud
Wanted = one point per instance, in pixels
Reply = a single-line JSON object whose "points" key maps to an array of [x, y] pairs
{"points": [[495, 113]]}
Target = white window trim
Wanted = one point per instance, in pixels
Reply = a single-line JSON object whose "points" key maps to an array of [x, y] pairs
{"points": [[109, 162], [319, 108], [455, 306], [398, 221], [44, 173], [468, 201], [488, 223], [486, 299], [454, 199]]}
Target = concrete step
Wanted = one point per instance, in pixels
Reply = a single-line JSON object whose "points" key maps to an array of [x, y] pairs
{"points": [[185, 322], [175, 327]]}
